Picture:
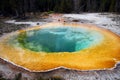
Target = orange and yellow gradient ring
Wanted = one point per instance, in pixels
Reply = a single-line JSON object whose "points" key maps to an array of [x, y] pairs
{"points": [[54, 45]]}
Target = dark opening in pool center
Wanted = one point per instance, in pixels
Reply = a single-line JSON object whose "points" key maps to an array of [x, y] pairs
{"points": [[58, 39]]}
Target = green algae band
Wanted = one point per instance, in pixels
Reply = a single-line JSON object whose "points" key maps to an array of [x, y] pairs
{"points": [[59, 39]]}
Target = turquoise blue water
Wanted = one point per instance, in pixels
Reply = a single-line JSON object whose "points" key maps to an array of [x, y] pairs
{"points": [[59, 39]]}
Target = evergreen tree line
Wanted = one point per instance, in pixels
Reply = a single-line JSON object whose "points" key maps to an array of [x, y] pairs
{"points": [[98, 5], [20, 7]]}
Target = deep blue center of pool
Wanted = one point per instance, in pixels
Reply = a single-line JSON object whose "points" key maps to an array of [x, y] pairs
{"points": [[59, 39]]}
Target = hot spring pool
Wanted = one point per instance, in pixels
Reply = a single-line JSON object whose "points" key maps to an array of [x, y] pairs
{"points": [[56, 45], [60, 39]]}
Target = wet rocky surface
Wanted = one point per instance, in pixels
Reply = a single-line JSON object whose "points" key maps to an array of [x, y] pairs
{"points": [[7, 28]]}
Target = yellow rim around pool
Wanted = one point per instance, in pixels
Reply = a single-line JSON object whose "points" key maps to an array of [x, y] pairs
{"points": [[73, 46]]}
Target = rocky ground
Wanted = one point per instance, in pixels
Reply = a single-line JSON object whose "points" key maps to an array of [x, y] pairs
{"points": [[108, 21], [7, 28], [104, 20]]}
